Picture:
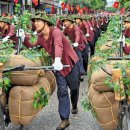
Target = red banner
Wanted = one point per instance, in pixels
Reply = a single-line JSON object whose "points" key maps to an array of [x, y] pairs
{"points": [[35, 2], [16, 1]]}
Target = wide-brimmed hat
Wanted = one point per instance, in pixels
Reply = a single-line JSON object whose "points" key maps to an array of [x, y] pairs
{"points": [[78, 17], [127, 19], [5, 20], [42, 16], [69, 18]]}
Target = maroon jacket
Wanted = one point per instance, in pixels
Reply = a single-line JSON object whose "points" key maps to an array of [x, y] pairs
{"points": [[126, 49], [10, 32], [57, 45], [76, 35], [59, 24], [86, 29], [127, 33]]}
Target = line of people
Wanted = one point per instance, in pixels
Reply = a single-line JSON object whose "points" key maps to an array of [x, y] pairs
{"points": [[68, 44]]}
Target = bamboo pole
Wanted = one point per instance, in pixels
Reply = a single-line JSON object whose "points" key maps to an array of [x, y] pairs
{"points": [[119, 88]]}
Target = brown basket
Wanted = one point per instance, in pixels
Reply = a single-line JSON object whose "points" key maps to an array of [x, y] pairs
{"points": [[21, 102], [24, 77]]}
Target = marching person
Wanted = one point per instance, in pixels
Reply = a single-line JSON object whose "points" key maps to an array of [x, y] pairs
{"points": [[86, 29], [126, 47], [7, 30], [79, 41], [57, 45]]}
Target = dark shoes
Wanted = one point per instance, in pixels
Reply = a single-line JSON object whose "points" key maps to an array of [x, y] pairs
{"points": [[74, 111], [65, 123]]}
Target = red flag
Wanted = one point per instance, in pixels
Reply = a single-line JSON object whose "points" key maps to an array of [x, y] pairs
{"points": [[16, 1], [35, 2], [77, 7], [63, 5], [53, 9], [122, 11], [116, 4], [81, 11]]}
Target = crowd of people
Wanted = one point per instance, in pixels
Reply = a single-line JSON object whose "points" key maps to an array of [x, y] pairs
{"points": [[70, 41]]}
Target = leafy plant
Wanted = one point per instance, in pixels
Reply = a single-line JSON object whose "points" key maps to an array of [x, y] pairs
{"points": [[5, 82], [41, 98], [34, 53], [87, 106]]}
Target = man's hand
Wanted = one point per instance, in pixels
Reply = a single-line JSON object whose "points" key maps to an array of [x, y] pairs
{"points": [[91, 28], [57, 64], [5, 39], [87, 35], [20, 33], [75, 44]]}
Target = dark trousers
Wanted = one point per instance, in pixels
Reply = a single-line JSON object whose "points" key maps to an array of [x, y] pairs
{"points": [[85, 55], [80, 63], [73, 81]]}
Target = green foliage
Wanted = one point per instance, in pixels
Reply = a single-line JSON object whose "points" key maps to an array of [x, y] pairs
{"points": [[6, 49], [35, 53], [5, 82], [23, 21], [87, 106], [124, 3], [41, 98], [110, 9]]}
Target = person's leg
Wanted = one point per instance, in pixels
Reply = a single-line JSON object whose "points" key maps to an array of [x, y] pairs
{"points": [[80, 63], [73, 80], [85, 55], [64, 101], [63, 97]]}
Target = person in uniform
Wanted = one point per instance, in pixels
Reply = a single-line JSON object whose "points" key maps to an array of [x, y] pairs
{"points": [[86, 29], [7, 30], [78, 40], [56, 44], [126, 47]]}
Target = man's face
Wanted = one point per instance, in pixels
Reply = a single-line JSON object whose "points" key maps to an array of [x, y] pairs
{"points": [[66, 23], [39, 24], [127, 25], [77, 21]]}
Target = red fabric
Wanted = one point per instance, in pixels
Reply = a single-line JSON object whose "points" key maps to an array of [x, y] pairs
{"points": [[127, 33], [59, 24], [122, 11], [53, 9], [77, 7], [116, 4], [85, 27], [35, 2], [76, 35], [68, 6], [72, 9], [16, 1], [63, 5], [126, 49], [57, 45], [10, 32], [81, 11]]}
